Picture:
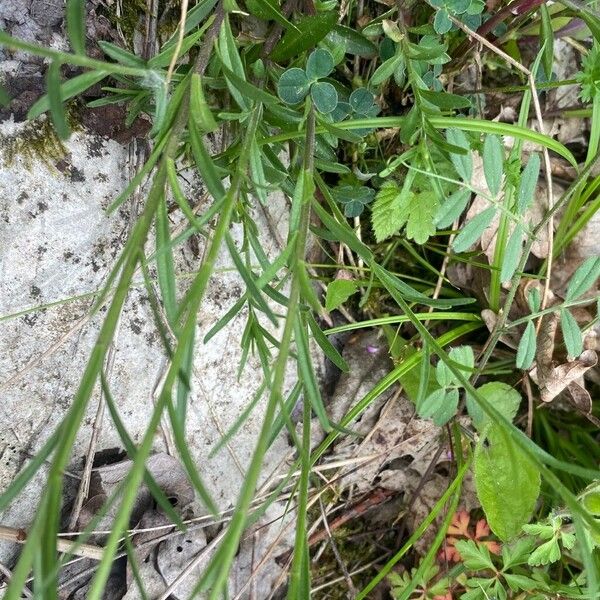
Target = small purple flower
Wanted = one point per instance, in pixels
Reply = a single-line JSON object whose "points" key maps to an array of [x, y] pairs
{"points": [[372, 349]]}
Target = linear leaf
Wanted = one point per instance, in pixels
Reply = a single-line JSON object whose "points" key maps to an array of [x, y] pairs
{"points": [[445, 100], [528, 183], [452, 208], [55, 101], [121, 55], [493, 162], [571, 334], [584, 278], [76, 24], [473, 230], [547, 37], [512, 254], [527, 346]]}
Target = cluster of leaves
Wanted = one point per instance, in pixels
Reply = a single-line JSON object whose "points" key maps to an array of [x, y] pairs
{"points": [[467, 11], [581, 281]]}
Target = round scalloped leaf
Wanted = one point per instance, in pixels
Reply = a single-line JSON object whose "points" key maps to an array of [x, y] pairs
{"points": [[324, 96], [354, 208], [319, 64], [442, 22], [293, 86], [361, 100]]}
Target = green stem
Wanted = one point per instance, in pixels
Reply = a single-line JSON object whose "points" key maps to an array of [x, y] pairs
{"points": [[221, 562]]}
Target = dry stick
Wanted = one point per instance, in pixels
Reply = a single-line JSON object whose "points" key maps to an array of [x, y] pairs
{"points": [[19, 536], [8, 576], [184, 9], [548, 168], [351, 588]]}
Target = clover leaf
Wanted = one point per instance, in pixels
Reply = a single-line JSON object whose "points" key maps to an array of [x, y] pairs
{"points": [[295, 83], [293, 86], [354, 199]]}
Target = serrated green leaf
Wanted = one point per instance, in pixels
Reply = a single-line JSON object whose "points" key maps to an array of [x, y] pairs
{"points": [[76, 25], [507, 482], [505, 399], [528, 183], [545, 554], [571, 334], [324, 96], [310, 30], [473, 230], [338, 291], [452, 208], [386, 216], [527, 347], [493, 162], [55, 101], [419, 211], [512, 254], [584, 278], [463, 163], [476, 557], [319, 64], [293, 86]]}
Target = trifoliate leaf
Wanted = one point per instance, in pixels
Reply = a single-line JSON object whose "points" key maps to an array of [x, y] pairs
{"points": [[324, 95], [293, 86], [319, 64], [507, 482]]}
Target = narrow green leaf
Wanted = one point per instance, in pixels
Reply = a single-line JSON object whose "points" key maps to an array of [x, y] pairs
{"points": [[463, 163], [309, 31], [452, 208], [355, 43], [164, 264], [199, 109], [473, 230], [76, 25], [328, 348], [445, 100], [386, 69], [4, 96], [528, 183], [338, 291], [121, 55], [231, 59], [269, 11], [584, 278], [55, 101], [547, 38], [507, 482], [505, 399], [246, 88], [527, 347], [205, 164], [163, 59], [512, 254], [493, 163], [571, 334]]}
